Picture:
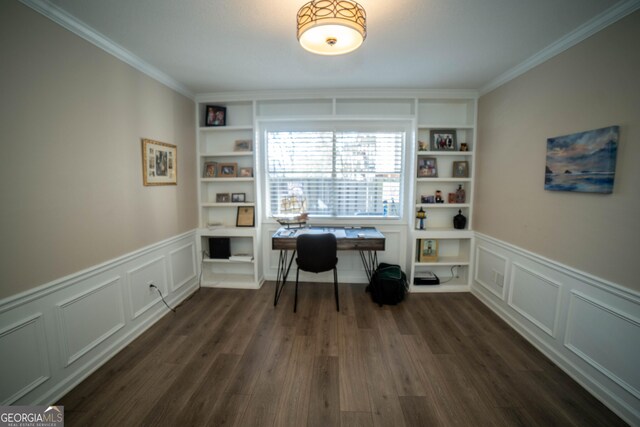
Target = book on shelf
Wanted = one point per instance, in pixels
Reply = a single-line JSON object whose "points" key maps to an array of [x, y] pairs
{"points": [[241, 258], [214, 225]]}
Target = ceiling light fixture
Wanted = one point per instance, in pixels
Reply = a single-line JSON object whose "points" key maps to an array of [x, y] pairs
{"points": [[331, 27]]}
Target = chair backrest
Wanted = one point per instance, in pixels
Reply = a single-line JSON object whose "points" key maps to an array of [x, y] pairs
{"points": [[316, 252]]}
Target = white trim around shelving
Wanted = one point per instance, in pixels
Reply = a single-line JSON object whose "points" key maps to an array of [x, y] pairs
{"points": [[224, 128], [447, 179], [444, 153]]}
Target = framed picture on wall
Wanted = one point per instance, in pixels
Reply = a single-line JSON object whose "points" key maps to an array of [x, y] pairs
{"points": [[159, 163]]}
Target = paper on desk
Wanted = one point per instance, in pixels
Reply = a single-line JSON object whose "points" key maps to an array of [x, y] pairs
{"points": [[338, 232]]}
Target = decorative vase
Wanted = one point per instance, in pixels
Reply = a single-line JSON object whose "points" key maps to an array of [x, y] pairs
{"points": [[459, 221]]}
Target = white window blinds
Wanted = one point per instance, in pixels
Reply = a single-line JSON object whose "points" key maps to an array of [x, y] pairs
{"points": [[339, 173]]}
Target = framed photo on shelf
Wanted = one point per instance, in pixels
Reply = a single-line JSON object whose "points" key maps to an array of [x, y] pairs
{"points": [[246, 216], [215, 116], [460, 169], [159, 163], [246, 172], [427, 167], [443, 140], [222, 198], [427, 199], [210, 170], [227, 170], [428, 250], [243, 145], [238, 197]]}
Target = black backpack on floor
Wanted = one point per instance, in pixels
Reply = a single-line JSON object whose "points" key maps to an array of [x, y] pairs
{"points": [[388, 284]]}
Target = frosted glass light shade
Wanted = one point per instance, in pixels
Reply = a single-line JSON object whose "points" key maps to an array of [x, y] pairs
{"points": [[331, 27]]}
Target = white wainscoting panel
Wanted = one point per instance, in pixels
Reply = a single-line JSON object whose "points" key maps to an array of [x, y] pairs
{"points": [[535, 297], [183, 265], [143, 297], [589, 327], [605, 337], [490, 271], [25, 362], [88, 319], [54, 336]]}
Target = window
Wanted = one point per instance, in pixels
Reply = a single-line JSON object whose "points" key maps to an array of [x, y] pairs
{"points": [[338, 173]]}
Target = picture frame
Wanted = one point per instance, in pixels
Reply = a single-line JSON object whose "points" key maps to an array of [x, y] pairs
{"points": [[210, 170], [246, 173], [227, 170], [428, 250], [423, 146], [246, 216], [238, 197], [427, 167], [243, 145], [460, 169], [427, 199], [215, 115], [223, 198], [443, 140], [159, 163], [583, 162]]}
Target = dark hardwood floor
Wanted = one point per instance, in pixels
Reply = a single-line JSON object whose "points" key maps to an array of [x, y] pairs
{"points": [[228, 357]]}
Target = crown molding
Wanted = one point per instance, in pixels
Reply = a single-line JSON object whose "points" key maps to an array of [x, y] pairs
{"points": [[589, 28], [71, 23]]}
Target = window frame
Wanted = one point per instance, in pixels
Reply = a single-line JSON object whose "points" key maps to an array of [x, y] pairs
{"points": [[341, 125]]}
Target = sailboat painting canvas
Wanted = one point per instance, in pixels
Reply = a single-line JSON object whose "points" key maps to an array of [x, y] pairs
{"points": [[583, 162]]}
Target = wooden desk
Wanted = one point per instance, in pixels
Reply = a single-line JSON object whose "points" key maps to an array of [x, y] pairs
{"points": [[366, 240]]}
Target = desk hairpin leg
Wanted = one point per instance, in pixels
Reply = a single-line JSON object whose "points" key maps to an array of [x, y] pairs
{"points": [[283, 272], [370, 262]]}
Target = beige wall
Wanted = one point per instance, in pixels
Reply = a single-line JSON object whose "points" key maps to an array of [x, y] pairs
{"points": [[592, 85], [71, 120]]}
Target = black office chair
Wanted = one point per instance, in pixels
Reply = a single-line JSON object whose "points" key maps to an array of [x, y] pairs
{"points": [[317, 253]]}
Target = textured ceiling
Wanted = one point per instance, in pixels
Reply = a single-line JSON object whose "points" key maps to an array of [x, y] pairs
{"points": [[229, 45]]}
